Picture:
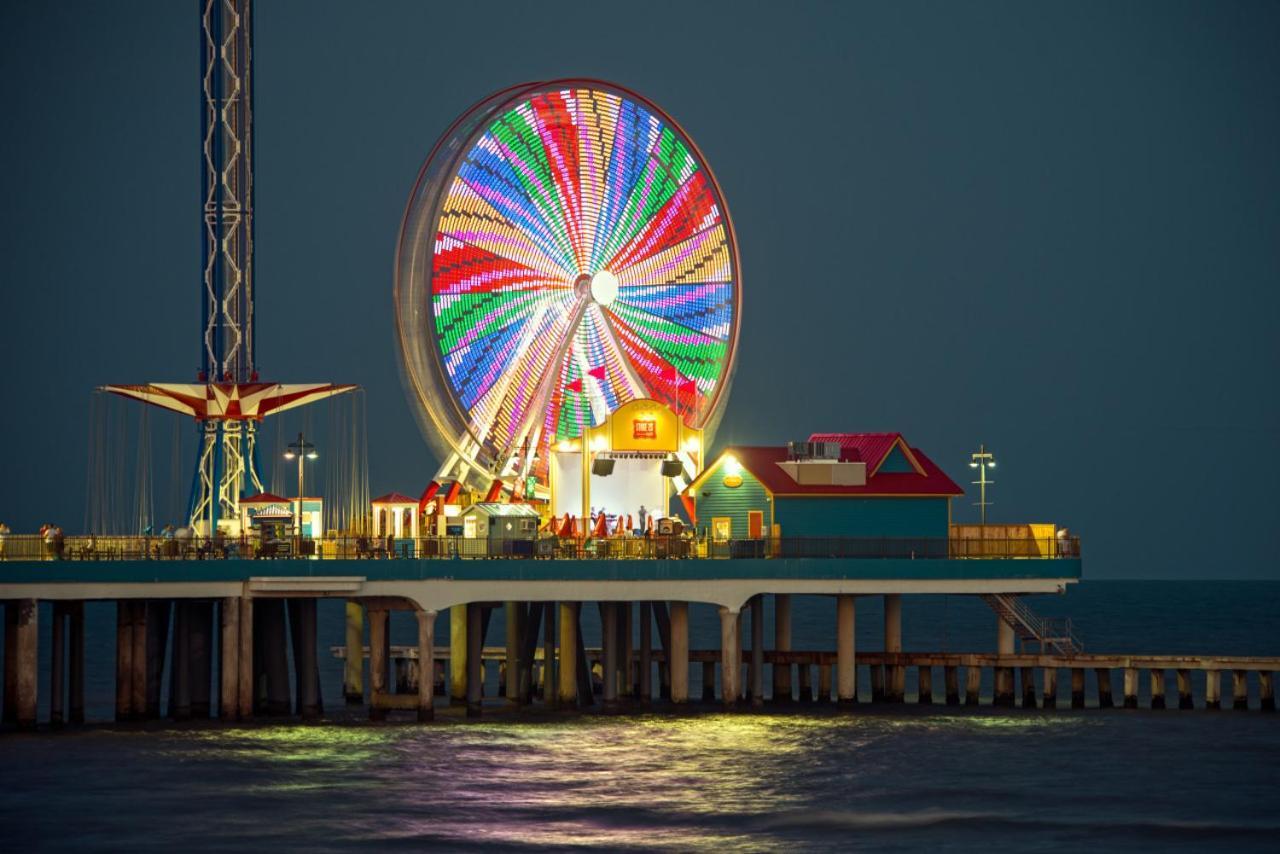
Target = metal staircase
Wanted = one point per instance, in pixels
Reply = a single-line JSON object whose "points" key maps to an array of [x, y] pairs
{"points": [[1053, 634]]}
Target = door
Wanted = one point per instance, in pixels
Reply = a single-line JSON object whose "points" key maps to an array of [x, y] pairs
{"points": [[755, 524], [721, 526]]}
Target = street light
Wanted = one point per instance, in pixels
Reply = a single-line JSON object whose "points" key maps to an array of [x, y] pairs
{"points": [[300, 450], [982, 461]]}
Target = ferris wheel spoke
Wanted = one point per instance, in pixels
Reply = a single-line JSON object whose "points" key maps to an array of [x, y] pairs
{"points": [[633, 135], [704, 308], [690, 211], [560, 148], [705, 257], [669, 165], [664, 372], [518, 139], [468, 218], [597, 120]]}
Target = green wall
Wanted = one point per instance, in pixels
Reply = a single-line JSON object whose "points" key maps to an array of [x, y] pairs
{"points": [[841, 516], [716, 499]]}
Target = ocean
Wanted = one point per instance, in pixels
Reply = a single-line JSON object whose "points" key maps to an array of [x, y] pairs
{"points": [[810, 777]]}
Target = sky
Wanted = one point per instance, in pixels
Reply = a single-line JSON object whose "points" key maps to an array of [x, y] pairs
{"points": [[1053, 228]]}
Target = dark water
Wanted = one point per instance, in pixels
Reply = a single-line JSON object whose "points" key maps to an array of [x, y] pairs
{"points": [[881, 778]]}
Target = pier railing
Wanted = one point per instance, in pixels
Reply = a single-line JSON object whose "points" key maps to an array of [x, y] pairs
{"points": [[20, 547]]}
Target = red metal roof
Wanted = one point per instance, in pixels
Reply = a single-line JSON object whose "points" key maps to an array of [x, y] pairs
{"points": [[265, 498], [762, 462], [394, 498], [869, 448]]}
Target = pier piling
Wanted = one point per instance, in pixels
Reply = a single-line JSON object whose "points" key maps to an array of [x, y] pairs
{"points": [[924, 685], [782, 643], [677, 653], [877, 683], [951, 684], [1266, 691], [1077, 687], [245, 656], [895, 677], [846, 657], [353, 669], [302, 623], [568, 689], [1028, 677], [824, 682], [609, 639], [1157, 689], [1049, 698], [646, 655], [972, 684], [1131, 688], [426, 665], [229, 658], [1239, 689], [1103, 677], [57, 662], [730, 657], [1002, 677], [1185, 700], [378, 663], [271, 658], [513, 614], [757, 652], [474, 661], [23, 647], [458, 655], [1212, 690]]}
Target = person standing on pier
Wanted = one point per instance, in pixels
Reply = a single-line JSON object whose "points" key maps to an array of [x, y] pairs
{"points": [[643, 516]]}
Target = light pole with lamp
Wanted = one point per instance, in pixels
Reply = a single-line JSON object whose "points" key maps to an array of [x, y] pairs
{"points": [[982, 460], [300, 450]]}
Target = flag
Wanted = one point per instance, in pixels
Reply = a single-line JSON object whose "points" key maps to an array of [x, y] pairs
{"points": [[575, 386], [598, 373]]}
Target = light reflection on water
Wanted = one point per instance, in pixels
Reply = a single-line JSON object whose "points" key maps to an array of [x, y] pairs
{"points": [[703, 781]]}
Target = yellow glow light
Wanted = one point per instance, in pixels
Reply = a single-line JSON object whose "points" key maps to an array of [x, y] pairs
{"points": [[599, 443], [567, 446], [731, 465], [691, 445]]}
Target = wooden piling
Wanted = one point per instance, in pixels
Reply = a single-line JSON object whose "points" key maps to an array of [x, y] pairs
{"points": [[1185, 699], [378, 619], [75, 664], [11, 662], [1239, 689], [972, 684], [846, 654], [951, 684], [730, 657], [663, 622], [924, 685], [124, 658], [1049, 698], [180, 668], [1157, 688], [825, 672], [426, 665], [513, 616], [1266, 691], [302, 623], [568, 669], [458, 655], [550, 675], [1212, 690], [678, 652], [141, 664], [646, 655], [1028, 677], [1077, 687], [475, 661], [353, 666], [895, 677], [609, 638], [26, 649], [1131, 688], [782, 643], [1102, 676]]}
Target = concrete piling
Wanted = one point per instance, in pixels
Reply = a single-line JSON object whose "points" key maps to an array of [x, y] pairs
{"points": [[609, 638], [1185, 699], [23, 645], [678, 652], [302, 622], [1077, 688], [895, 677], [1131, 688], [378, 663], [124, 658], [924, 685], [646, 655], [757, 652], [951, 683], [475, 662], [550, 674], [663, 621], [1239, 689], [1212, 690], [458, 655], [877, 683], [568, 689], [824, 682], [1103, 677], [181, 671], [1049, 698], [972, 684], [1157, 688], [1002, 677], [782, 643], [846, 656], [513, 614], [708, 681], [271, 658], [353, 669], [57, 664], [1028, 678], [805, 685], [730, 657], [10, 662], [426, 665], [245, 656], [229, 658]]}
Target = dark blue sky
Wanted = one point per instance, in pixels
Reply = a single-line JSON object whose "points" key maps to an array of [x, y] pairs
{"points": [[1052, 228]]}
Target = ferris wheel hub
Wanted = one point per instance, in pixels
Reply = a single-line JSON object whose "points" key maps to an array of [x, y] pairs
{"points": [[604, 287]]}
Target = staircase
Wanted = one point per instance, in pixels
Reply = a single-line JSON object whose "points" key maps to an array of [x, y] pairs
{"points": [[1053, 634]]}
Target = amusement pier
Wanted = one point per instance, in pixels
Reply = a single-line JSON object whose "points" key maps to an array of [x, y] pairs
{"points": [[567, 300]]}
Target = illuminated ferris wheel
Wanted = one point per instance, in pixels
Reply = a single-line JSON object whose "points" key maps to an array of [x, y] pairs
{"points": [[565, 250]]}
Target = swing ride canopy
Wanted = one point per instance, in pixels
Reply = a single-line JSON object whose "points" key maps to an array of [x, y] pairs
{"points": [[565, 249]]}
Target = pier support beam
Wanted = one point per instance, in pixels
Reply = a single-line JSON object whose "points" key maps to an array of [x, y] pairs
{"points": [[458, 655], [568, 669], [229, 658], [57, 665], [246, 659], [805, 686], [1050, 698], [1077, 688], [951, 680], [730, 657], [782, 643], [877, 683], [1212, 689], [306, 665], [609, 639], [1130, 688], [972, 684], [513, 612], [924, 685], [426, 665], [895, 676], [126, 616], [1002, 681], [75, 663], [475, 659], [1028, 676], [21, 651], [708, 681], [678, 652], [1157, 689], [1239, 689], [1266, 691], [824, 682], [1185, 700], [846, 662], [180, 669], [646, 655], [550, 675], [757, 651], [378, 648], [353, 667]]}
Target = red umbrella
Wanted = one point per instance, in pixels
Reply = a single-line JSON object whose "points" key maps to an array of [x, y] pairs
{"points": [[630, 526], [566, 530], [602, 526]]}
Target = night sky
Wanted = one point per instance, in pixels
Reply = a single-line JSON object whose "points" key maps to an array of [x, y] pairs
{"points": [[1052, 228]]}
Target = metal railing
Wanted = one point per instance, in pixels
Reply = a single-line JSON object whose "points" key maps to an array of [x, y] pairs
{"points": [[24, 547]]}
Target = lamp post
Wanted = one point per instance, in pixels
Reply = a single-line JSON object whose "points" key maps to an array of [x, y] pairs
{"points": [[982, 460], [300, 450]]}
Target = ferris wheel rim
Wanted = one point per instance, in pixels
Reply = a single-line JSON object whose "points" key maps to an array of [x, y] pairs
{"points": [[480, 112]]}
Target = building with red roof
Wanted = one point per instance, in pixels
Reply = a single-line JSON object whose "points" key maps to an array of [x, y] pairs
{"points": [[847, 485]]}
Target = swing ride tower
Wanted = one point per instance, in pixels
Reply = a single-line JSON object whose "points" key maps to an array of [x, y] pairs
{"points": [[228, 399]]}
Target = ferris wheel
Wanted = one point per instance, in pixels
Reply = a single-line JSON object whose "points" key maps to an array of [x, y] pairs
{"points": [[565, 250]]}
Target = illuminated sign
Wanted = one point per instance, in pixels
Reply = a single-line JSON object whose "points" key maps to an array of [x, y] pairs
{"points": [[733, 481], [644, 427]]}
